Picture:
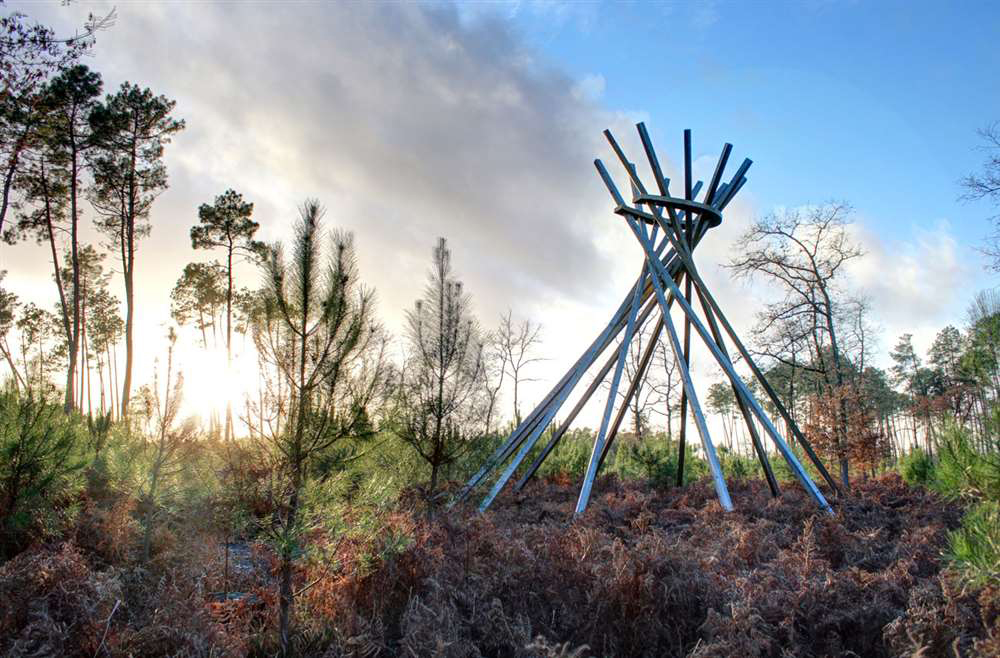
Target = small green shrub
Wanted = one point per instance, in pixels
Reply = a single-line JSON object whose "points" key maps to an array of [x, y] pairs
{"points": [[569, 457], [650, 459], [917, 468], [782, 471], [962, 471], [39, 459], [974, 549], [655, 459], [739, 467]]}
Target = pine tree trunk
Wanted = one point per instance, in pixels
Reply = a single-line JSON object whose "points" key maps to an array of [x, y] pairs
{"points": [[18, 380], [285, 593], [229, 343], [128, 247], [129, 325], [115, 397], [67, 326]]}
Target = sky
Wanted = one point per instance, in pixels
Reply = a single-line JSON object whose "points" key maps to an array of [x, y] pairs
{"points": [[479, 122]]}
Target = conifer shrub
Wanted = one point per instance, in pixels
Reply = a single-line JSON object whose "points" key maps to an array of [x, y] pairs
{"points": [[974, 549], [962, 471], [917, 468], [40, 464]]}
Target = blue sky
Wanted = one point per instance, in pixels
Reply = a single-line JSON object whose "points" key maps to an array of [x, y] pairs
{"points": [[875, 103]]}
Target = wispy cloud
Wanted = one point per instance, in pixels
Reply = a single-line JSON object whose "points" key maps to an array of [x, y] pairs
{"points": [[910, 282]]}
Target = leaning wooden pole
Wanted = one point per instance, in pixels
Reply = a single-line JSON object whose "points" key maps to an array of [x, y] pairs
{"points": [[758, 445], [594, 385], [635, 385], [602, 433]]}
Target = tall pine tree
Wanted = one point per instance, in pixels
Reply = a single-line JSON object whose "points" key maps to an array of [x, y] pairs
{"points": [[226, 225], [131, 128]]}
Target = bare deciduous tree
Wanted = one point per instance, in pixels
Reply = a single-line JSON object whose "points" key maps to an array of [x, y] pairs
{"points": [[516, 343], [986, 185], [804, 253], [666, 382], [656, 393], [494, 376]]}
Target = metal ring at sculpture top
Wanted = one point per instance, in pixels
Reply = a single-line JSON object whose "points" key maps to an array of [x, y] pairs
{"points": [[707, 212], [711, 215]]}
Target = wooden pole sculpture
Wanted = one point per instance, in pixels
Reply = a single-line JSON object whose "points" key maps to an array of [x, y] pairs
{"points": [[667, 265]]}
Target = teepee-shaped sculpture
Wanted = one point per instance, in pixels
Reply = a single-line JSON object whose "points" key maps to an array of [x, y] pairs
{"points": [[668, 228]]}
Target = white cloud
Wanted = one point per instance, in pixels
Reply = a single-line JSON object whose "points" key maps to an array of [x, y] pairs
{"points": [[590, 87], [916, 285]]}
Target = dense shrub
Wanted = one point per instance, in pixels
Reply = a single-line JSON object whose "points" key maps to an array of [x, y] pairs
{"points": [[738, 466], [53, 604], [646, 571], [568, 458], [941, 615], [652, 458], [975, 547], [917, 468], [963, 471], [649, 571], [39, 457]]}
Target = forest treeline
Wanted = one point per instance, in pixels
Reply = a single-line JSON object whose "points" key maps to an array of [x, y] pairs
{"points": [[340, 437]]}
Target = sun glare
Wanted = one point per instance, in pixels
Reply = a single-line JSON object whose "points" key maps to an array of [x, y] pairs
{"points": [[210, 383]]}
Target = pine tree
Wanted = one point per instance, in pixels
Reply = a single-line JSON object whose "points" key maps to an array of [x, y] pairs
{"points": [[131, 128], [443, 396], [320, 343], [226, 224], [197, 296], [49, 186]]}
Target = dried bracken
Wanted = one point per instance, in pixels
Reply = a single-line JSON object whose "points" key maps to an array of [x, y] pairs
{"points": [[650, 573], [645, 572], [53, 604]]}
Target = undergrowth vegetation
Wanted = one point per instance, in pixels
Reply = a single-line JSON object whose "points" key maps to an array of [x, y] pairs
{"points": [[961, 472], [649, 570]]}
